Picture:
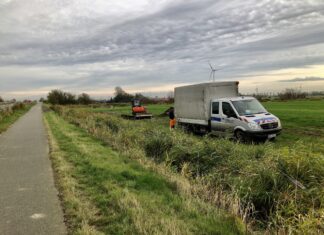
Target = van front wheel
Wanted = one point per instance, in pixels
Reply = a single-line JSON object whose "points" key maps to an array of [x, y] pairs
{"points": [[240, 136]]}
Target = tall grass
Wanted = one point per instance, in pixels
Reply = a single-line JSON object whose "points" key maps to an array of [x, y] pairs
{"points": [[9, 115], [107, 193], [7, 111], [275, 189]]}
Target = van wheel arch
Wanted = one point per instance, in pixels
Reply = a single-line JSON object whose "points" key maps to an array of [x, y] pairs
{"points": [[240, 136]]}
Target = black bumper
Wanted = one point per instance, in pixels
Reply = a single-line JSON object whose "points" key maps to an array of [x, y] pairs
{"points": [[263, 133]]}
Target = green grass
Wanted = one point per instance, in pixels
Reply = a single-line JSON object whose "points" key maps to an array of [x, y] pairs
{"points": [[299, 113], [113, 194], [9, 119], [256, 182], [155, 109], [301, 120]]}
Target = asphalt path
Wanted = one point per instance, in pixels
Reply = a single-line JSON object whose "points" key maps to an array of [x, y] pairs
{"points": [[29, 201]]}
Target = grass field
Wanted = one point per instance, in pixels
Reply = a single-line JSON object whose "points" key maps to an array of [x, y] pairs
{"points": [[155, 109], [276, 187], [7, 119], [106, 192], [300, 119]]}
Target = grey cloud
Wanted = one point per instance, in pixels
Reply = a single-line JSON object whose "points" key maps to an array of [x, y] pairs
{"points": [[311, 36], [183, 25], [178, 39]]}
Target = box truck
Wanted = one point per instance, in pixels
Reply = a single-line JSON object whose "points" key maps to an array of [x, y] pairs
{"points": [[217, 108]]}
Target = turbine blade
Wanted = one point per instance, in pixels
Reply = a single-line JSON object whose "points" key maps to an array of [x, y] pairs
{"points": [[210, 66]]}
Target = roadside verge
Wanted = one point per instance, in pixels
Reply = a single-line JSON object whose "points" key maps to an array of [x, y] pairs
{"points": [[104, 192]]}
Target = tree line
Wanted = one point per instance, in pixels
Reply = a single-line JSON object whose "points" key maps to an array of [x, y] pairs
{"points": [[120, 96], [64, 98], [287, 94]]}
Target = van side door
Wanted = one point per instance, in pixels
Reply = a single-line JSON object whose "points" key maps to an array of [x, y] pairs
{"points": [[229, 117], [216, 117]]}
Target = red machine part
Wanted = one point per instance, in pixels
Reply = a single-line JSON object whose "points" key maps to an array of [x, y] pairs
{"points": [[139, 109]]}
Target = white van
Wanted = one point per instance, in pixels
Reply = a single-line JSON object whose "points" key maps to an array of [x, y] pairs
{"points": [[217, 108]]}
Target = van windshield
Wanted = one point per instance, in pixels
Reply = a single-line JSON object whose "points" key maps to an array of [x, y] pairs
{"points": [[248, 107]]}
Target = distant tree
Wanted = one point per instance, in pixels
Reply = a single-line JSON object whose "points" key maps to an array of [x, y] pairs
{"points": [[60, 97], [317, 93], [144, 99], [292, 94], [1, 100], [84, 99], [122, 96], [119, 91], [41, 99], [262, 96], [69, 98], [170, 97], [55, 97], [139, 96]]}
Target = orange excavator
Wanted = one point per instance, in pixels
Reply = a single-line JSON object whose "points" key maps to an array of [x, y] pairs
{"points": [[138, 111]]}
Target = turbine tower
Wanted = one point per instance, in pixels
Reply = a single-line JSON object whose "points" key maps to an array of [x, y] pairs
{"points": [[213, 71]]}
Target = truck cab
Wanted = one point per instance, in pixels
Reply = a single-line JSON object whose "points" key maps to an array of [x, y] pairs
{"points": [[242, 117]]}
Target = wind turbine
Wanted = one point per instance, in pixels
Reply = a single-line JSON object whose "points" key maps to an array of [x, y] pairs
{"points": [[213, 71]]}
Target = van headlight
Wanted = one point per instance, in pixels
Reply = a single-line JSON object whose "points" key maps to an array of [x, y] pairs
{"points": [[254, 126]]}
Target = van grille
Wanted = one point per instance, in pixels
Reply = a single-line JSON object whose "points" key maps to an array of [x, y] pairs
{"points": [[268, 126]]}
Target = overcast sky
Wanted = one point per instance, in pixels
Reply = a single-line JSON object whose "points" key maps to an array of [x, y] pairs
{"points": [[154, 45]]}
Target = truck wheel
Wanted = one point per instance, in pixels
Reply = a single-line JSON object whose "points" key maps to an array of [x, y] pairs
{"points": [[240, 136], [184, 127]]}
